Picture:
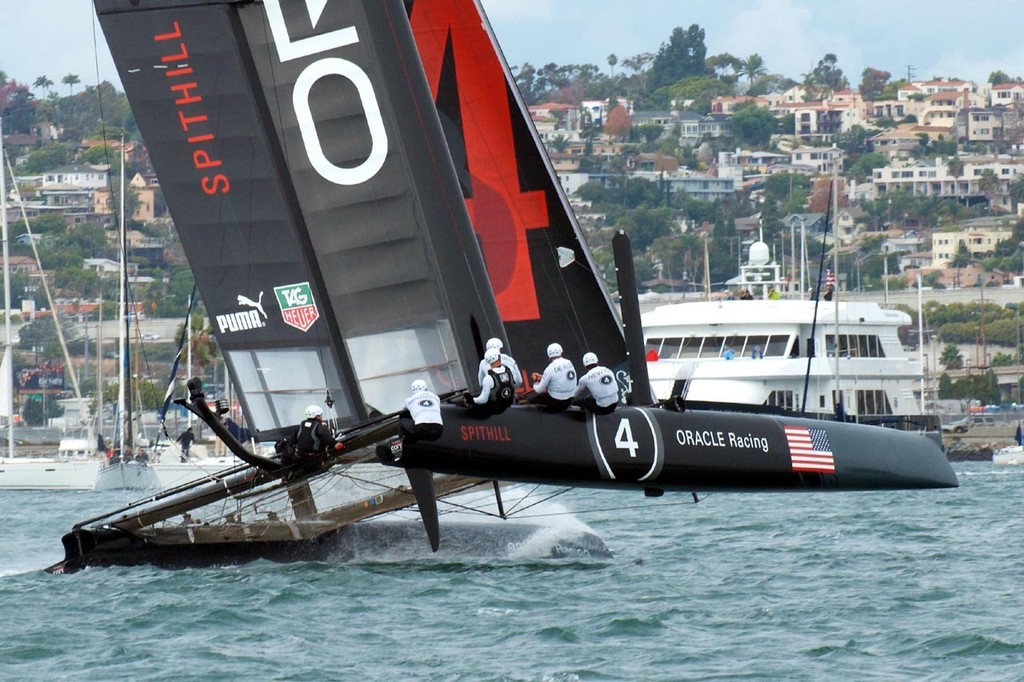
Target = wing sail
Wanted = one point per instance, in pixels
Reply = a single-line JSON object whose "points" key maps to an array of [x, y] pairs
{"points": [[311, 185]]}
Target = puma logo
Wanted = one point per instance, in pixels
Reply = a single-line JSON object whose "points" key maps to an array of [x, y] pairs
{"points": [[258, 305]]}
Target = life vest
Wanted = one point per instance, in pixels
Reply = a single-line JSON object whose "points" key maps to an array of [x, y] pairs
{"points": [[503, 393], [308, 439]]}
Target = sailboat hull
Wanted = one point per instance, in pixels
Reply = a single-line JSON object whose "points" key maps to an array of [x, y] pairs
{"points": [[658, 450], [390, 540], [47, 474]]}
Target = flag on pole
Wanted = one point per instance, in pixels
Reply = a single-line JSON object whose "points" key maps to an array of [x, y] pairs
{"points": [[830, 278]]}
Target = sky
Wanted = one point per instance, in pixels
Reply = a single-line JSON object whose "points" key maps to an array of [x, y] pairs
{"points": [[934, 37]]}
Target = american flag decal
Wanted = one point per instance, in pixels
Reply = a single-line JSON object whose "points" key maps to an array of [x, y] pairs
{"points": [[810, 450]]}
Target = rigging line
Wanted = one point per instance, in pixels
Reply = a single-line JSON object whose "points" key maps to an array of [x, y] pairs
{"points": [[522, 499], [817, 300], [594, 510]]}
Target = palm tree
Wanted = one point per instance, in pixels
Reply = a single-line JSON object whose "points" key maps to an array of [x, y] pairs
{"points": [[988, 184], [71, 80], [752, 67], [612, 61], [44, 83], [956, 169], [961, 259]]}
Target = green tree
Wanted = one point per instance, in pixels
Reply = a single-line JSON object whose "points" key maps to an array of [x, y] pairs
{"points": [[612, 61], [753, 67], [17, 107], [827, 75], [725, 67], [873, 82], [47, 158], [38, 411], [769, 83], [681, 57], [861, 169], [951, 357], [71, 80], [753, 126], [988, 183], [1016, 193], [43, 83], [997, 77]]}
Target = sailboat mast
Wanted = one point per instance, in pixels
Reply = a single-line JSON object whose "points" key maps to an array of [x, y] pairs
{"points": [[125, 359], [99, 366], [8, 363], [123, 392], [835, 271]]}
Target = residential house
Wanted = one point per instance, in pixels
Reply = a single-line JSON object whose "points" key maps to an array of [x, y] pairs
{"points": [[80, 175], [145, 199], [932, 177], [727, 105], [980, 243], [554, 120], [925, 88], [1006, 93], [654, 163], [716, 125], [888, 108], [597, 109], [812, 160], [812, 223], [941, 108], [106, 268], [986, 125], [915, 260], [850, 221], [908, 243], [63, 195], [689, 128], [903, 140], [693, 184]]}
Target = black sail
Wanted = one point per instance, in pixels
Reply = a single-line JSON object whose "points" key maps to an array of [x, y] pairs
{"points": [[518, 207], [308, 176]]}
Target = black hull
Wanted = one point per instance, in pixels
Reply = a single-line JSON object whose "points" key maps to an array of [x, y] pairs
{"points": [[378, 540], [657, 450]]}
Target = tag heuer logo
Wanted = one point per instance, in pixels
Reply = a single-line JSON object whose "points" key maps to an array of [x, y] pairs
{"points": [[297, 305]]}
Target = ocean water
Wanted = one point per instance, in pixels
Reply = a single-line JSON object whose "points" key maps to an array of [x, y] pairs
{"points": [[867, 586]]}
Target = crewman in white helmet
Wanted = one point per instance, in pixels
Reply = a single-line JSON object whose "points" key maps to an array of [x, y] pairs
{"points": [[506, 360], [597, 390], [498, 388], [313, 437], [557, 385], [421, 417]]}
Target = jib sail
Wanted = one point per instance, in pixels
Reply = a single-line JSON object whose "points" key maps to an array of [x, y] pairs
{"points": [[308, 176], [517, 205]]}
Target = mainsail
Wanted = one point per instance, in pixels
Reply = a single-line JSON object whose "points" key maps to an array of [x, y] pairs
{"points": [[311, 184]]}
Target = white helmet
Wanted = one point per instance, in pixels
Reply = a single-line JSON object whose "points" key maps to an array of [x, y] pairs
{"points": [[314, 411], [492, 355], [554, 350], [419, 385], [495, 343], [589, 359]]}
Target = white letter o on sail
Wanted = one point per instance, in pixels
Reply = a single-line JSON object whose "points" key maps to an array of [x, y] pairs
{"points": [[307, 126]]}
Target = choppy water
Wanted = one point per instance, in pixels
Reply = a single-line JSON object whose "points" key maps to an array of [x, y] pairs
{"points": [[866, 586]]}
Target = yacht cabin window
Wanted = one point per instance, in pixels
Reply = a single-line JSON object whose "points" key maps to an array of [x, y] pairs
{"points": [[692, 347]]}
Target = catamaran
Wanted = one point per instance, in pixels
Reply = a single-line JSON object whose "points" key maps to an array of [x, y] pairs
{"points": [[367, 170]]}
